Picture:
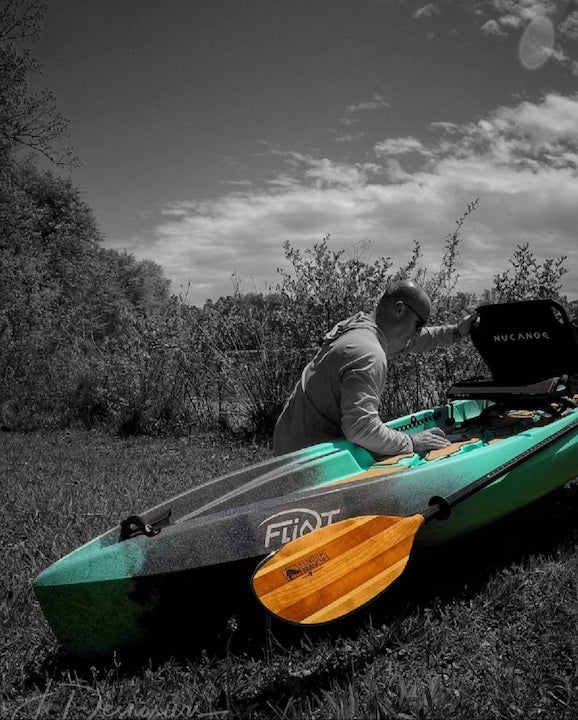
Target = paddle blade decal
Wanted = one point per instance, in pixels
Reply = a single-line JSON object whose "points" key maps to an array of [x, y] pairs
{"points": [[327, 574]]}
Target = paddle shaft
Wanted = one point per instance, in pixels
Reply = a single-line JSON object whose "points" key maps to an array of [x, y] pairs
{"points": [[439, 506]]}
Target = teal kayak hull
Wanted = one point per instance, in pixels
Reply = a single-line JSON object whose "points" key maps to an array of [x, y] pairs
{"points": [[123, 591]]}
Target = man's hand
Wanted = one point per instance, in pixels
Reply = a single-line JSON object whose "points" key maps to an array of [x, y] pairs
{"points": [[465, 327], [433, 439]]}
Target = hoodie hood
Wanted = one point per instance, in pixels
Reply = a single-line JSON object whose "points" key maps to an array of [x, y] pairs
{"points": [[359, 321]]}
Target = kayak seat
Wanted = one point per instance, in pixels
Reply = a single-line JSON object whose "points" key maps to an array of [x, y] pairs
{"points": [[530, 348]]}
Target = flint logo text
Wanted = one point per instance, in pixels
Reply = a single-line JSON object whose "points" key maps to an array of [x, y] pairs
{"points": [[291, 524]]}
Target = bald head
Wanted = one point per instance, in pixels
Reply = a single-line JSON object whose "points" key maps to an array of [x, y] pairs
{"points": [[410, 294]]}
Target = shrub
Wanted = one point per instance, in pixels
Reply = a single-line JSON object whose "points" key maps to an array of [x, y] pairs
{"points": [[528, 279]]}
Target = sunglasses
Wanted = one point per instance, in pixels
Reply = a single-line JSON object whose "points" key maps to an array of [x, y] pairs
{"points": [[421, 322]]}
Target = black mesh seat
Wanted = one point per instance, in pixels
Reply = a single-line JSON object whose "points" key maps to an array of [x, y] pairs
{"points": [[531, 350]]}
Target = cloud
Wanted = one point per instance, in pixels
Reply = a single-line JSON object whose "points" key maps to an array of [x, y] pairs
{"points": [[400, 146], [521, 161], [327, 173], [515, 13], [492, 27], [352, 112], [529, 135], [378, 103], [568, 28], [426, 11]]}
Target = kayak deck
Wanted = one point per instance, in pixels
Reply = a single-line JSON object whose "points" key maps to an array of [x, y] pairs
{"points": [[464, 438]]}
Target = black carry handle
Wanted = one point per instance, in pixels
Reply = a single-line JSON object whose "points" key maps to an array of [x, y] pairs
{"points": [[136, 525]]}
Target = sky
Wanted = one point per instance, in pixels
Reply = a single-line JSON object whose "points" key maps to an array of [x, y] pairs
{"points": [[212, 131]]}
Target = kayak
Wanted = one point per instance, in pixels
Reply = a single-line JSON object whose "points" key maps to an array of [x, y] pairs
{"points": [[146, 581], [151, 580]]}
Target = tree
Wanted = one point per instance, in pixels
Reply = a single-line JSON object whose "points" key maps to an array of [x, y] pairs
{"points": [[326, 286], [29, 122], [528, 279], [84, 330]]}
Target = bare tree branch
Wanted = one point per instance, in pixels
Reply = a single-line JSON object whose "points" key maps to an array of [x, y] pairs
{"points": [[28, 121]]}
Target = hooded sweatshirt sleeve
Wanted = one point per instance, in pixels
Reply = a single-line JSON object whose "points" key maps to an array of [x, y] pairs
{"points": [[362, 383], [432, 337]]}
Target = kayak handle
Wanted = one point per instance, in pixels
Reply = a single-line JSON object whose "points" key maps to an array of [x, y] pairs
{"points": [[136, 525]]}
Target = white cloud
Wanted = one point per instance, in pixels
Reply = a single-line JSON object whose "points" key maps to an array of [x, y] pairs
{"points": [[377, 103], [517, 12], [520, 161], [527, 135], [426, 11], [492, 27], [568, 28], [327, 173], [353, 114], [400, 146]]}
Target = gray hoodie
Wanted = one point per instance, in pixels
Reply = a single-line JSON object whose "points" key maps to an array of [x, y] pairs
{"points": [[339, 391]]}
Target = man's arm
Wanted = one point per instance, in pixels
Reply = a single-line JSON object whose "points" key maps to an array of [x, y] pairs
{"points": [[465, 327], [361, 388], [442, 336], [362, 425]]}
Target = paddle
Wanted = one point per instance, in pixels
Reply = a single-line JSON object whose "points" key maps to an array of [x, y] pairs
{"points": [[330, 572]]}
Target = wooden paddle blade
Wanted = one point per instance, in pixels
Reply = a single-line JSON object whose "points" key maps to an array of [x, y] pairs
{"points": [[325, 575]]}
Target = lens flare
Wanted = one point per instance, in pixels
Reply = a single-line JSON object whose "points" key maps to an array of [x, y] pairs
{"points": [[536, 43]]}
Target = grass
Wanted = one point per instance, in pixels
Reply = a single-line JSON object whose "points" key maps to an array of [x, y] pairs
{"points": [[484, 628]]}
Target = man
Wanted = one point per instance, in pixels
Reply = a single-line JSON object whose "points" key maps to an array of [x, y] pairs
{"points": [[339, 391]]}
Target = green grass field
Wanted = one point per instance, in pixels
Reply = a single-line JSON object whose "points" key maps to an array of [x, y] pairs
{"points": [[484, 628]]}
